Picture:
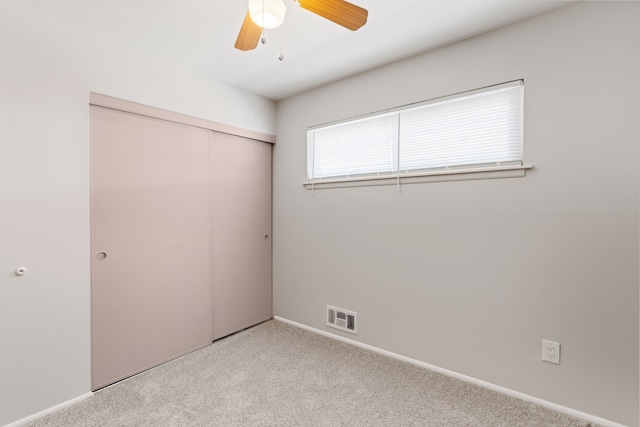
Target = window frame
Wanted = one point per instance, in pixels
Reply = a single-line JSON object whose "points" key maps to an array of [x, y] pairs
{"points": [[491, 170]]}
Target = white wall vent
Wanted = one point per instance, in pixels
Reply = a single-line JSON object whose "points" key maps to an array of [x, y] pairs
{"points": [[344, 320]]}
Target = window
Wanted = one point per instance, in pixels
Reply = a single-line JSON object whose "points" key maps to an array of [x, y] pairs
{"points": [[468, 133]]}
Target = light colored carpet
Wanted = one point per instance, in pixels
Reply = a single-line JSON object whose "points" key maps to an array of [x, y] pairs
{"points": [[275, 374]]}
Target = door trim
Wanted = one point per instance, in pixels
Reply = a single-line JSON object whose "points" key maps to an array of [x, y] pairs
{"points": [[158, 113]]}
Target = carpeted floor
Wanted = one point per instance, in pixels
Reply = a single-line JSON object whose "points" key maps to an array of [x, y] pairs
{"points": [[275, 374]]}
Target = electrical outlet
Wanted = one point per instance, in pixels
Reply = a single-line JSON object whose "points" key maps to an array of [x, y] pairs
{"points": [[551, 351]]}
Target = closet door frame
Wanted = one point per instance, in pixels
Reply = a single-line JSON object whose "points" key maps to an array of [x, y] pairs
{"points": [[99, 100], [170, 116]]}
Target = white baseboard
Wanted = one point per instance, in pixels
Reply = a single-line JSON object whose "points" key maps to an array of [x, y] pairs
{"points": [[51, 410], [485, 384]]}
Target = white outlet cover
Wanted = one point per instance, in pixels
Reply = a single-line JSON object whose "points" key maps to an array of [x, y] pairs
{"points": [[551, 351]]}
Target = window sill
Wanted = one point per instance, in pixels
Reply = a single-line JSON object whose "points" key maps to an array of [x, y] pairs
{"points": [[493, 172]]}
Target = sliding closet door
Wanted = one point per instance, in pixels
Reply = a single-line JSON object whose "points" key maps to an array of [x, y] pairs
{"points": [[241, 232], [151, 289]]}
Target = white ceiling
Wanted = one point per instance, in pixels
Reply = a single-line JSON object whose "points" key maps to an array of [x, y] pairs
{"points": [[200, 34]]}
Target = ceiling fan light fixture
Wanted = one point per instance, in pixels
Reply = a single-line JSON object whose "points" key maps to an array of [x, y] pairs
{"points": [[267, 14]]}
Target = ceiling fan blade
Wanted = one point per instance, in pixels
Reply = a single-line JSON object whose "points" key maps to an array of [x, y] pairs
{"points": [[339, 11], [249, 34]]}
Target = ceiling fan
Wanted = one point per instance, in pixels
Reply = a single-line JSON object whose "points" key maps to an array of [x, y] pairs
{"points": [[269, 14]]}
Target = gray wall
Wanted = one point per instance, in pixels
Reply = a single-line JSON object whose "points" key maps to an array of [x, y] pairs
{"points": [[472, 275], [46, 72]]}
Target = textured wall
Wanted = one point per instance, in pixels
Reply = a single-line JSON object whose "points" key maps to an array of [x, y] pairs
{"points": [[46, 73], [472, 275]]}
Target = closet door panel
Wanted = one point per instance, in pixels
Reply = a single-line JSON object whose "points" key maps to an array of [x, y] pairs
{"points": [[241, 232], [151, 289]]}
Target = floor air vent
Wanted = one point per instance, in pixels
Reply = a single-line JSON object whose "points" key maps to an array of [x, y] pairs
{"points": [[344, 320]]}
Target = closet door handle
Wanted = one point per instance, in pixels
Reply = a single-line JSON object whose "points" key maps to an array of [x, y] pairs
{"points": [[101, 256], [266, 236]]}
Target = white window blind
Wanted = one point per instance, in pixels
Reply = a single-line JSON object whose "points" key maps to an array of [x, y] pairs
{"points": [[472, 129]]}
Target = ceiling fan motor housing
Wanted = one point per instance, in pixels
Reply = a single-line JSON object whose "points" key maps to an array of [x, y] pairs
{"points": [[267, 14]]}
